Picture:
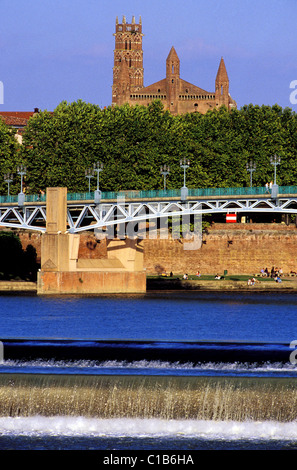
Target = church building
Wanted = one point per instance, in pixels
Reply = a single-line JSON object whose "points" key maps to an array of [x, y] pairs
{"points": [[177, 95]]}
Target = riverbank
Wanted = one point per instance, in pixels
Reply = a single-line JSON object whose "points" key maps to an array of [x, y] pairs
{"points": [[18, 287], [160, 283], [230, 283]]}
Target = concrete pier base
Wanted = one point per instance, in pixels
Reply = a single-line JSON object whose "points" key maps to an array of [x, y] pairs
{"points": [[62, 272], [91, 283]]}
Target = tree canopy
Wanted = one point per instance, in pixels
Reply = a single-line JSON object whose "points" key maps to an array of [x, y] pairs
{"points": [[133, 142], [9, 155]]}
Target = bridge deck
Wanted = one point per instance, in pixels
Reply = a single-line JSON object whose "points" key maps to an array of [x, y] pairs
{"points": [[140, 206], [157, 195]]}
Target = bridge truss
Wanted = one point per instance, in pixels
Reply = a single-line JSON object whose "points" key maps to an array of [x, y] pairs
{"points": [[86, 215]]}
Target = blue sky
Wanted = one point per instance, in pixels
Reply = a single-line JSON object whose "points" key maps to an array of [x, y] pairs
{"points": [[54, 50]]}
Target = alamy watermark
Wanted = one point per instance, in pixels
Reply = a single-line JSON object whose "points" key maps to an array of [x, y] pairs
{"points": [[293, 355], [185, 225], [293, 94]]}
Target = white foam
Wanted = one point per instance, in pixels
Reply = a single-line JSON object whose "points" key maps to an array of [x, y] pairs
{"points": [[81, 426], [157, 365]]}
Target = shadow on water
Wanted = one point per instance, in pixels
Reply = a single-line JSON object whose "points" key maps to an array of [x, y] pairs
{"points": [[138, 444]]}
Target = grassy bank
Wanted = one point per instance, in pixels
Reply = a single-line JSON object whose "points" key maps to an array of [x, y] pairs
{"points": [[203, 283], [231, 282]]}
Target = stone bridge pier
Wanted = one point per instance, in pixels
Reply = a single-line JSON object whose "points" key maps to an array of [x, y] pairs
{"points": [[62, 272]]}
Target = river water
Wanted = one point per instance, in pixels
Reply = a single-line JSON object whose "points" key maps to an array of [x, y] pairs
{"points": [[170, 370]]}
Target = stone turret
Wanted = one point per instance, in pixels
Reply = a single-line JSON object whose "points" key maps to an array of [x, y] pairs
{"points": [[222, 87], [172, 80]]}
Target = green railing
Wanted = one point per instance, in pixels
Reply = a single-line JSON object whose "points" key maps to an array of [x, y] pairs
{"points": [[155, 194], [169, 193], [287, 189]]}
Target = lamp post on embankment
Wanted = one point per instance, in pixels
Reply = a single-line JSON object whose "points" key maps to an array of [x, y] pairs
{"points": [[8, 178], [184, 190], [98, 167], [22, 171], [251, 168], [89, 174], [275, 160], [164, 170]]}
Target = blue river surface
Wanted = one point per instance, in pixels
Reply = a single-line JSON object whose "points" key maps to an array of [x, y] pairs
{"points": [[173, 316], [180, 334]]}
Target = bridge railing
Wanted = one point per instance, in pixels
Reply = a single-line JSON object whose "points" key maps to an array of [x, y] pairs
{"points": [[287, 189], [169, 193], [155, 194]]}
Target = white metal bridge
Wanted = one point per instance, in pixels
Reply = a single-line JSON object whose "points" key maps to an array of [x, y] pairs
{"points": [[84, 213]]}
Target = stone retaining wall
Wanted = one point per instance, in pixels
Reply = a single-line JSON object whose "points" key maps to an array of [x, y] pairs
{"points": [[238, 248]]}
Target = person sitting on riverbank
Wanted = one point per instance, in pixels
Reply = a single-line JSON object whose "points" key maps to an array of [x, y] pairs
{"points": [[278, 272], [198, 274]]}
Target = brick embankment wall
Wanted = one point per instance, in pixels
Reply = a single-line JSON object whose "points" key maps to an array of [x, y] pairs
{"points": [[239, 248]]}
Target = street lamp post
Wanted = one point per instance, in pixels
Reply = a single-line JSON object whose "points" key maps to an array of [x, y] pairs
{"points": [[22, 171], [251, 168], [165, 170], [98, 167], [89, 173], [8, 178], [275, 160], [184, 190]]}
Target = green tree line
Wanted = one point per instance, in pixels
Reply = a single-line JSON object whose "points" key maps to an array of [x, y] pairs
{"points": [[134, 142]]}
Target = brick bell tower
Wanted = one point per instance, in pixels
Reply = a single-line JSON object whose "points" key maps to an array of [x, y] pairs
{"points": [[172, 80], [128, 60], [222, 86]]}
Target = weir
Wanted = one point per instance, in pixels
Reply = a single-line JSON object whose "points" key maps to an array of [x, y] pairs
{"points": [[169, 398]]}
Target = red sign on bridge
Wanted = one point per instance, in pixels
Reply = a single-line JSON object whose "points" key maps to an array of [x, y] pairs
{"points": [[231, 218]]}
